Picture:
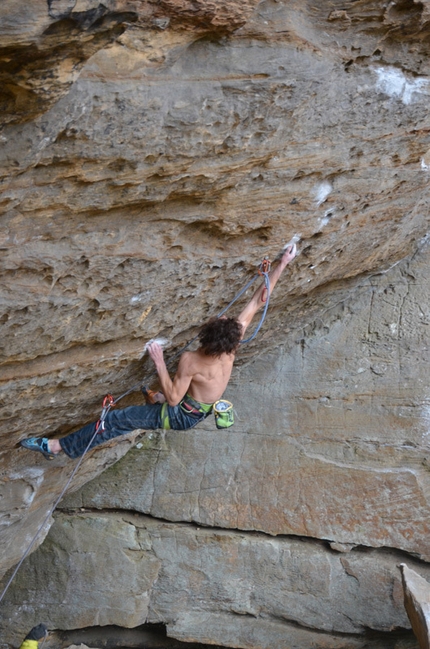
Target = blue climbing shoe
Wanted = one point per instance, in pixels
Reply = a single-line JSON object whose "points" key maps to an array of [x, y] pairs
{"points": [[39, 444]]}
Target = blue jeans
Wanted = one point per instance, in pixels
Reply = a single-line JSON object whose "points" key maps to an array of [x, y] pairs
{"points": [[120, 422]]}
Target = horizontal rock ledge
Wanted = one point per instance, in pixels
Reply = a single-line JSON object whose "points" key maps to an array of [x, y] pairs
{"points": [[244, 587]]}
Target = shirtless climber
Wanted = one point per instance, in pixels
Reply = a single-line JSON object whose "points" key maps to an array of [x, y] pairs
{"points": [[31, 640], [202, 376]]}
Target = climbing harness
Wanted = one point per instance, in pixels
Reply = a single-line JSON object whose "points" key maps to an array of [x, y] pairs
{"points": [[188, 405], [223, 416], [165, 416], [192, 406]]}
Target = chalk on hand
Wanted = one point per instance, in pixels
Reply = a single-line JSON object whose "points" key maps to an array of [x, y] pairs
{"points": [[160, 341], [293, 243]]}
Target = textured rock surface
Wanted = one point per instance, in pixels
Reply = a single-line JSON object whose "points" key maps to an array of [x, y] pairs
{"points": [[331, 439], [45, 43], [29, 491], [152, 153], [317, 465], [219, 587]]}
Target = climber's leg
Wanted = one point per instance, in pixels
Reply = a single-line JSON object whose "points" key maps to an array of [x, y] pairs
{"points": [[117, 422]]}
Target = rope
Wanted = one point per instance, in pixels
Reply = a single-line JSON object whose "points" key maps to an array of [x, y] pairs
{"points": [[263, 315], [236, 297], [109, 402]]}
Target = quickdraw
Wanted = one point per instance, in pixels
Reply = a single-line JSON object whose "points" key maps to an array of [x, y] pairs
{"points": [[265, 266], [108, 400], [108, 403]]}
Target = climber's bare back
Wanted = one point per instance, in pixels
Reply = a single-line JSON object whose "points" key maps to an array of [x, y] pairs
{"points": [[209, 375]]}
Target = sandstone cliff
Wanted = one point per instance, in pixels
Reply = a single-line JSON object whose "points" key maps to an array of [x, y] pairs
{"points": [[152, 153]]}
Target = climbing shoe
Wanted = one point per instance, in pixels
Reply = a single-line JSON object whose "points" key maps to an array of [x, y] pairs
{"points": [[39, 444]]}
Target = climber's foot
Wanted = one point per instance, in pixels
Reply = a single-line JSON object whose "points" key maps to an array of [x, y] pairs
{"points": [[39, 444]]}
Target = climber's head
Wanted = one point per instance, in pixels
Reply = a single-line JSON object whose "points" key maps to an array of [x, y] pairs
{"points": [[220, 336]]}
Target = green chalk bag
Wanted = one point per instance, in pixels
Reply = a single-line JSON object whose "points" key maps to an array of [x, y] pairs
{"points": [[224, 415]]}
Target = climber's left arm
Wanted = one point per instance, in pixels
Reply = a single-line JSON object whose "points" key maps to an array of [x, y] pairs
{"points": [[260, 296]]}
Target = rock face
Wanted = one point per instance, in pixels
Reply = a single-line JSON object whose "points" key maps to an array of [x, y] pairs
{"points": [[417, 604], [342, 458], [217, 587], [45, 44], [152, 154]]}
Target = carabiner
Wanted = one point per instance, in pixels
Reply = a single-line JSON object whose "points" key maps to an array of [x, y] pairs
{"points": [[265, 266], [108, 401]]}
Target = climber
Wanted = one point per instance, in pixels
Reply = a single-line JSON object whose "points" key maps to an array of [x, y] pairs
{"points": [[31, 640], [202, 376]]}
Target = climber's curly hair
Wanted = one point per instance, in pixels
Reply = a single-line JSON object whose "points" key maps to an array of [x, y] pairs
{"points": [[220, 336]]}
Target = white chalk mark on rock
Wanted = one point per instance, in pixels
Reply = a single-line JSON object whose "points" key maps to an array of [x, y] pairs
{"points": [[295, 239], [394, 83], [426, 417], [292, 242], [139, 297], [322, 191], [323, 220], [160, 341]]}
